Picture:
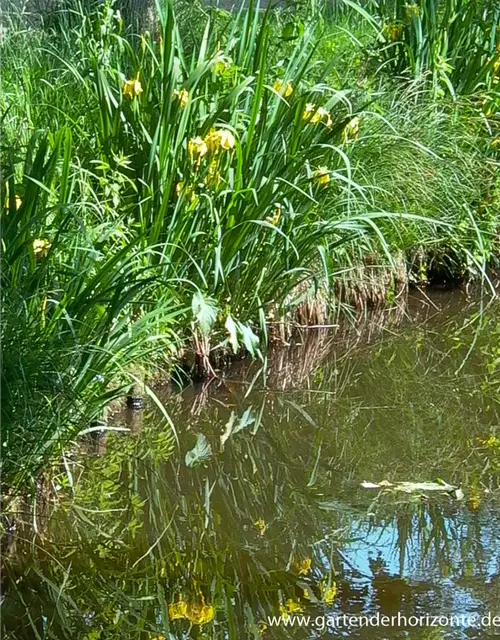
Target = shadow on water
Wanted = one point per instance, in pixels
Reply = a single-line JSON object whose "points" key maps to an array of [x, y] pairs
{"points": [[258, 510]]}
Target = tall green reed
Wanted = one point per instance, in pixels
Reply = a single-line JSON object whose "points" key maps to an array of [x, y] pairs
{"points": [[76, 318], [454, 42], [221, 165]]}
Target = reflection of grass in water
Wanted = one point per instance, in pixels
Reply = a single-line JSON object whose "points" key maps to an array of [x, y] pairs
{"points": [[142, 528], [169, 530]]}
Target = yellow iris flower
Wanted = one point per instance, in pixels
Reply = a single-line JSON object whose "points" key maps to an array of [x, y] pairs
{"points": [[282, 88], [220, 139], [412, 11], [197, 147], [351, 130], [322, 115], [213, 178], [17, 203], [41, 247], [393, 32], [308, 111], [132, 88], [226, 139], [183, 97], [276, 217], [321, 176]]}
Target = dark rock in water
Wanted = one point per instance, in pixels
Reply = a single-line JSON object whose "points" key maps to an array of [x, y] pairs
{"points": [[135, 403]]}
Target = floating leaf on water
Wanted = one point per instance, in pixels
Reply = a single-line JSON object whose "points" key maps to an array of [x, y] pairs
{"points": [[200, 453], [413, 487]]}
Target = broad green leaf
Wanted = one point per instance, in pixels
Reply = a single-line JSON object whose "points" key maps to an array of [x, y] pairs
{"points": [[204, 310]]}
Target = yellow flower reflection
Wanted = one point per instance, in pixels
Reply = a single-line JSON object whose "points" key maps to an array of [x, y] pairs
{"points": [[474, 499], [132, 88], [304, 567], [492, 442], [200, 613], [197, 613], [178, 610], [261, 525], [328, 593], [290, 607]]}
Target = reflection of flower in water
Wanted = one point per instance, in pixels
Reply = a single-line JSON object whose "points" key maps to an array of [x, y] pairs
{"points": [[262, 627], [200, 613], [197, 613], [289, 608], [261, 526], [474, 499], [304, 567], [178, 610], [492, 442], [328, 592]]}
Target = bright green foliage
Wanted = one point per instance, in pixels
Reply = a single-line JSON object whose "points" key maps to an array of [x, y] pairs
{"points": [[181, 189], [219, 166], [75, 317], [455, 42]]}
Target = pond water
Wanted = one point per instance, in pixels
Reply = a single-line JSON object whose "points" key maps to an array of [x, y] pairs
{"points": [[227, 504]]}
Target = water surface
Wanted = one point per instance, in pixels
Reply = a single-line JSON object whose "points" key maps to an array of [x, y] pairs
{"points": [[248, 500]]}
